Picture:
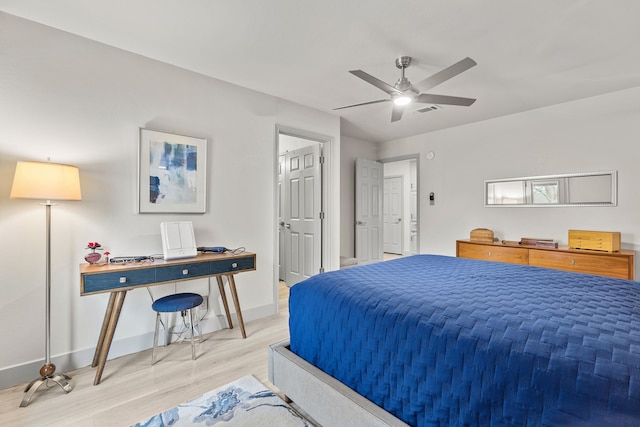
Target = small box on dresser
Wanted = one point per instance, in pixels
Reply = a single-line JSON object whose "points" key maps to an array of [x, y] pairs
{"points": [[481, 235], [606, 241]]}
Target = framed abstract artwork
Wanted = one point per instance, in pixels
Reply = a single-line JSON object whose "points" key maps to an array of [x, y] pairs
{"points": [[171, 173]]}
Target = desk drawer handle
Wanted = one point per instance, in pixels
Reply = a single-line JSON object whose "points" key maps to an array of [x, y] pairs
{"points": [[185, 272], [234, 265], [123, 280]]}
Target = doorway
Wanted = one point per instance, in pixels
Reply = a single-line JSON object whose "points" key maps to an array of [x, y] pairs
{"points": [[372, 204], [401, 203], [300, 205], [393, 214]]}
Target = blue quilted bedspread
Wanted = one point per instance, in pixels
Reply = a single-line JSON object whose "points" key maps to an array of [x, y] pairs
{"points": [[440, 341]]}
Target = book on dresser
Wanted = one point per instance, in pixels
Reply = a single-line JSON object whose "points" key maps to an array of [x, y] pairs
{"points": [[618, 264]]}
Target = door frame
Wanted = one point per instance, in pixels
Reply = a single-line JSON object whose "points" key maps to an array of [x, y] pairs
{"points": [[326, 145], [415, 157]]}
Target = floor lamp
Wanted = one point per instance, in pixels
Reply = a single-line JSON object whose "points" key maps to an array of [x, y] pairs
{"points": [[46, 181]]}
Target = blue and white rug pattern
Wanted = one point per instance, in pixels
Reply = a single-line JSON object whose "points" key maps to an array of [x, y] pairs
{"points": [[245, 402]]}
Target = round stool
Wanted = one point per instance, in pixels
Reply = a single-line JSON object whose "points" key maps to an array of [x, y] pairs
{"points": [[171, 304]]}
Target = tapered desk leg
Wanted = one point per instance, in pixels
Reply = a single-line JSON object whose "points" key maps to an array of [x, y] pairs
{"points": [[105, 344], [223, 294], [103, 331], [236, 302]]}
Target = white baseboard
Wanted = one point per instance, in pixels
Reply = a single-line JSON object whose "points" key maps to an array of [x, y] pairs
{"points": [[26, 372]]}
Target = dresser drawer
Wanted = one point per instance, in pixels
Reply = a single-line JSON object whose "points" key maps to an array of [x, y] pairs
{"points": [[118, 279], [493, 253], [602, 265], [182, 272]]}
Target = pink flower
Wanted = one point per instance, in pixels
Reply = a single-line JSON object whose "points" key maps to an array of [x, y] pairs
{"points": [[93, 245]]}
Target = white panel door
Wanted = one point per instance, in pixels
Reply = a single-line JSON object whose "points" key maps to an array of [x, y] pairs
{"points": [[369, 226], [392, 218], [302, 207]]}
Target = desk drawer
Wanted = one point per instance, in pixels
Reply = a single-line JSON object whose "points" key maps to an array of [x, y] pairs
{"points": [[182, 272], [116, 280], [232, 265]]}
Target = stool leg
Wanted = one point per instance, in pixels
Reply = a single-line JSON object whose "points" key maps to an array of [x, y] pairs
{"points": [[199, 332], [155, 339], [196, 326], [193, 348], [167, 336]]}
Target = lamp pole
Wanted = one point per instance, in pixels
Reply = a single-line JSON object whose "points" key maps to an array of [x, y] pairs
{"points": [[48, 370]]}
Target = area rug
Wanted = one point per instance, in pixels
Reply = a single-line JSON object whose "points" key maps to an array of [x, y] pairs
{"points": [[245, 402]]}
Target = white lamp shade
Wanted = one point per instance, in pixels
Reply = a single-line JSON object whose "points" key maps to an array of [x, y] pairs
{"points": [[46, 181]]}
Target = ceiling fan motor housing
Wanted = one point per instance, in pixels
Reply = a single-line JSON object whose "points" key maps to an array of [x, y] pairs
{"points": [[403, 84]]}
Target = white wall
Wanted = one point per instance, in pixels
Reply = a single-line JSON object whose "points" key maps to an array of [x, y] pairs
{"points": [[351, 149], [594, 134], [81, 102]]}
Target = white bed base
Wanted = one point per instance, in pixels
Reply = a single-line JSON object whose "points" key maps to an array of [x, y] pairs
{"points": [[322, 397]]}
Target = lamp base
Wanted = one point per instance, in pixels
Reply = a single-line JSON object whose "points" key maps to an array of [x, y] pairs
{"points": [[47, 373]]}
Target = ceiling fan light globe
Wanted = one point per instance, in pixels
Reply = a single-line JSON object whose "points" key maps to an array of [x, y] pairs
{"points": [[402, 100]]}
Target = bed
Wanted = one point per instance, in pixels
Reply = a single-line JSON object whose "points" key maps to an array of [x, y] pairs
{"points": [[432, 340]]}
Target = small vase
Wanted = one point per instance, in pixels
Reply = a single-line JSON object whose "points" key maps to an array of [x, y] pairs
{"points": [[92, 257]]}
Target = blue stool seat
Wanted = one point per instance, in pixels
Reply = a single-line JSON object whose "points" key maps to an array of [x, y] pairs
{"points": [[171, 304], [177, 302]]}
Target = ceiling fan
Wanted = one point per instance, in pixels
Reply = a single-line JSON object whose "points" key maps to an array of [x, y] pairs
{"points": [[404, 93]]}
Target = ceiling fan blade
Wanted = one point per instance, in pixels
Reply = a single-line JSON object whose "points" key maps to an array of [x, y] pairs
{"points": [[428, 98], [364, 103], [376, 82], [396, 113], [444, 75]]}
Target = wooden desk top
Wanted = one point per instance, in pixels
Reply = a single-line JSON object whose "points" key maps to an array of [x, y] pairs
{"points": [[115, 277], [86, 268]]}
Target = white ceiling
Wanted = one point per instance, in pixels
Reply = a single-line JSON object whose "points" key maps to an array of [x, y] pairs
{"points": [[529, 53]]}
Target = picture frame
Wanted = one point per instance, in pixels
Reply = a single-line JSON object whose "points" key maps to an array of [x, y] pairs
{"points": [[171, 173]]}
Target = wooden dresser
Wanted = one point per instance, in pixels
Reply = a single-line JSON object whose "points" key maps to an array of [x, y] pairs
{"points": [[613, 264]]}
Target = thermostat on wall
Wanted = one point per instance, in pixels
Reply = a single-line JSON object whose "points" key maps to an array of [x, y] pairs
{"points": [[178, 240]]}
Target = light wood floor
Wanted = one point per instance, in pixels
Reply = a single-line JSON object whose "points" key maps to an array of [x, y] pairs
{"points": [[132, 390]]}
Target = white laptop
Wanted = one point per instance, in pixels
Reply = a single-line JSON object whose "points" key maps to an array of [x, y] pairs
{"points": [[178, 240]]}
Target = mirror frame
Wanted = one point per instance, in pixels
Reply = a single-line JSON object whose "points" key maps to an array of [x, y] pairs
{"points": [[612, 202]]}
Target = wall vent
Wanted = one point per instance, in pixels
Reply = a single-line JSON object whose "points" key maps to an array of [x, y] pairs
{"points": [[428, 108]]}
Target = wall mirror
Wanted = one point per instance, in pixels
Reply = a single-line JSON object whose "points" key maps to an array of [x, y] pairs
{"points": [[575, 189]]}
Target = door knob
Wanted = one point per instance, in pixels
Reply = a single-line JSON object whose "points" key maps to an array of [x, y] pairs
{"points": [[360, 223], [287, 226]]}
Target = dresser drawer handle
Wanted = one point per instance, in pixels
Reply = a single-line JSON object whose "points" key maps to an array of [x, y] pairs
{"points": [[185, 272], [234, 265], [123, 280], [573, 262], [489, 253]]}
